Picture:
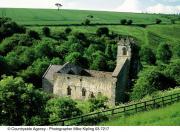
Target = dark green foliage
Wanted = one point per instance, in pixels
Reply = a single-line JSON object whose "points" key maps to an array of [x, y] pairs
{"points": [[21, 104], [87, 22], [129, 22], [3, 66], [99, 61], [68, 30], [158, 21], [98, 103], [61, 108], [8, 28], [123, 21], [33, 34], [147, 55], [164, 53], [46, 31], [77, 59], [102, 31], [150, 80], [173, 70]]}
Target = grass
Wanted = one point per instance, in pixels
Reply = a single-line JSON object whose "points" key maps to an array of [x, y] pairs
{"points": [[54, 17], [168, 116]]}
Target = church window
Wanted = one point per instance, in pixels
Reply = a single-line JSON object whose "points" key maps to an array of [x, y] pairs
{"points": [[68, 91], [92, 95], [83, 92], [124, 51]]}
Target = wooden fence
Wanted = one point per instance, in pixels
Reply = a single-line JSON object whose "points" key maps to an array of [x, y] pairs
{"points": [[90, 118]]}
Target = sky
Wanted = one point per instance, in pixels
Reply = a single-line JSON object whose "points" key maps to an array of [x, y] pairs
{"points": [[150, 6]]}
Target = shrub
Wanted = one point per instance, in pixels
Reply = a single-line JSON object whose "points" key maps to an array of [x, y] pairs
{"points": [[87, 22], [164, 53], [21, 103], [158, 21], [123, 21], [98, 103], [33, 34], [129, 22], [147, 55], [102, 31], [60, 108], [46, 31], [149, 81], [68, 30]]}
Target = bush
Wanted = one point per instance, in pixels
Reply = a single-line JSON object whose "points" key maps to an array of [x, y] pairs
{"points": [[158, 21], [123, 21], [102, 31], [46, 31], [33, 34], [164, 53], [98, 103], [61, 108], [147, 55], [150, 80], [21, 103], [129, 22], [87, 22], [68, 30]]}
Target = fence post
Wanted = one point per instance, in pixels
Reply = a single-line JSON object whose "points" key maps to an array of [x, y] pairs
{"points": [[112, 112], [171, 99], [136, 107], [144, 105], [163, 101], [63, 123], [154, 103], [82, 119], [124, 110]]}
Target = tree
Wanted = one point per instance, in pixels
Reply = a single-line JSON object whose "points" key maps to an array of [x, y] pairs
{"points": [[129, 22], [164, 53], [3, 65], [147, 55], [102, 31], [87, 22], [173, 70], [61, 108], [46, 31], [68, 30], [33, 34], [123, 21], [99, 61], [58, 5], [150, 80], [20, 103], [158, 21]]}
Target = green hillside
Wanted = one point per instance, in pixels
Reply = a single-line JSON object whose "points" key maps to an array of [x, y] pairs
{"points": [[52, 16], [168, 116]]}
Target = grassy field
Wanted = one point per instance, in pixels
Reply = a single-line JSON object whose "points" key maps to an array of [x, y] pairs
{"points": [[168, 116], [54, 17]]}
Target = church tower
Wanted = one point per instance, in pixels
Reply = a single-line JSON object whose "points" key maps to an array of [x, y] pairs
{"points": [[124, 49]]}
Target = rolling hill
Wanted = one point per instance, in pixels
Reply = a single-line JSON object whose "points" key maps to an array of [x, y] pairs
{"points": [[54, 17]]}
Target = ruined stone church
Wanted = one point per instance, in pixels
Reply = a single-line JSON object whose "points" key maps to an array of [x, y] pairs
{"points": [[81, 84]]}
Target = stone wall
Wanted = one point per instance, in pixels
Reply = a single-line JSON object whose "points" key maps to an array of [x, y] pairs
{"points": [[92, 85]]}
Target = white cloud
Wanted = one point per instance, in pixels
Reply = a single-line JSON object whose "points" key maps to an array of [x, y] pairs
{"points": [[130, 6], [160, 8]]}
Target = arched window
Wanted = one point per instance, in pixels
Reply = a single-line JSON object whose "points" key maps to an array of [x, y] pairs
{"points": [[83, 92], [68, 91], [92, 95], [124, 51]]}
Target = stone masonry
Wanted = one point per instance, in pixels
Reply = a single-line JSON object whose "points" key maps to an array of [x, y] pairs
{"points": [[72, 81]]}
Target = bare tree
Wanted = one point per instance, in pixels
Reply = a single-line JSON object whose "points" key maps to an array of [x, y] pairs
{"points": [[58, 5]]}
